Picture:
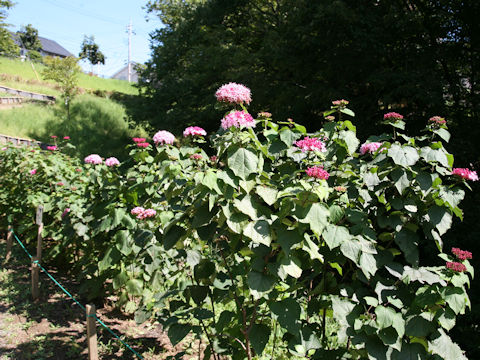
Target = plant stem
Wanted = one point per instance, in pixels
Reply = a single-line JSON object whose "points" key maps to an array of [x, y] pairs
{"points": [[274, 338]]}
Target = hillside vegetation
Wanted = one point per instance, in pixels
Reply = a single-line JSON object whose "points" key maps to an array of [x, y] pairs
{"points": [[98, 123], [21, 75]]}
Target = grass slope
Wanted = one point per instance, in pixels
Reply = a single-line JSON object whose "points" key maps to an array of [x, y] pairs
{"points": [[97, 124], [22, 74]]}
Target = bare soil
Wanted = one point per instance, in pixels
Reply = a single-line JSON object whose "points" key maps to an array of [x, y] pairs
{"points": [[53, 327]]}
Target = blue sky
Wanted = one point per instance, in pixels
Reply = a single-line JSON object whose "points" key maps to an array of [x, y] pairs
{"points": [[67, 21]]}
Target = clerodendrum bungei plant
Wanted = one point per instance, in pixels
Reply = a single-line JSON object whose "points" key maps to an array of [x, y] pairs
{"points": [[283, 244]]}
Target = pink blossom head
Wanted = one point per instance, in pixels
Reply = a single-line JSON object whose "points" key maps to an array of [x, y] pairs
{"points": [[393, 116], [311, 144], [60, 183], [462, 254], [437, 120], [143, 144], [53, 136], [340, 188], [93, 159], [196, 157], [456, 266], [194, 131], [4, 148], [234, 93], [65, 212], [317, 172], [341, 102], [330, 118], [238, 119], [33, 171], [138, 139], [214, 158], [137, 210], [66, 138], [163, 137], [370, 147], [142, 213], [147, 213], [52, 147], [112, 161], [466, 174]]}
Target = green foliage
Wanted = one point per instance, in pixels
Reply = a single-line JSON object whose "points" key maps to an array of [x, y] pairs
{"points": [[65, 73], [28, 36], [252, 254], [91, 52], [7, 45]]}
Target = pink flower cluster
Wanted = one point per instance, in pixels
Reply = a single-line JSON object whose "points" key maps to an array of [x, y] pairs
{"points": [[138, 140], [53, 136], [112, 161], [194, 131], [33, 171], [392, 116], [438, 120], [65, 212], [238, 119], [341, 102], [340, 188], [465, 173], [456, 266], [370, 147], [143, 213], [143, 144], [93, 159], [311, 144], [163, 137], [462, 254], [66, 138], [60, 183], [52, 147], [330, 118], [234, 93], [317, 172], [196, 157]]}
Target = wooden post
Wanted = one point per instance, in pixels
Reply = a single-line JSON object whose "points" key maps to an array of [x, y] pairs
{"points": [[91, 333], [35, 270], [9, 243], [39, 242]]}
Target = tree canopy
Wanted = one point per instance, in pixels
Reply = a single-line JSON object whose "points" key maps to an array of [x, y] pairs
{"points": [[418, 58], [29, 38], [90, 51], [7, 45]]}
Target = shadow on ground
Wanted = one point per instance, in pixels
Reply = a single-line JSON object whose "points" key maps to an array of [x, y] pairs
{"points": [[53, 327]]}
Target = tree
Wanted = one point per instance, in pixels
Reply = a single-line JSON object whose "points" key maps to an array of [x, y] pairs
{"points": [[29, 39], [91, 52], [7, 44], [64, 72]]}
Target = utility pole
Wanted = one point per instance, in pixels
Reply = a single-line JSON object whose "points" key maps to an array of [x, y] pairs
{"points": [[129, 29]]}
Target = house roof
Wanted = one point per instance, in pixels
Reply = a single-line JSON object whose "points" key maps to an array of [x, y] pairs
{"points": [[53, 47], [48, 45]]}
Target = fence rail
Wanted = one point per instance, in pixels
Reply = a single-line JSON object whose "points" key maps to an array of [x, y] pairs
{"points": [[5, 139], [27, 94]]}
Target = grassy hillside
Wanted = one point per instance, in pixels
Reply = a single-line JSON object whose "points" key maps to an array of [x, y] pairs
{"points": [[97, 124], [21, 75]]}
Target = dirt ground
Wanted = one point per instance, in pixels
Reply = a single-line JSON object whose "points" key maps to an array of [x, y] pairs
{"points": [[53, 327]]}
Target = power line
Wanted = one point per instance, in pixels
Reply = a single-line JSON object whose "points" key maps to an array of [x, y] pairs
{"points": [[84, 12]]}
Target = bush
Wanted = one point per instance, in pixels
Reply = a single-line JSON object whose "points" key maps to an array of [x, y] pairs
{"points": [[274, 242]]}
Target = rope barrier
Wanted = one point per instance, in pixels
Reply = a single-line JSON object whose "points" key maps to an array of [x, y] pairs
{"points": [[75, 300]]}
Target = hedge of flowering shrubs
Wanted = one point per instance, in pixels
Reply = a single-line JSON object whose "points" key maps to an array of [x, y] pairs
{"points": [[272, 243]]}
